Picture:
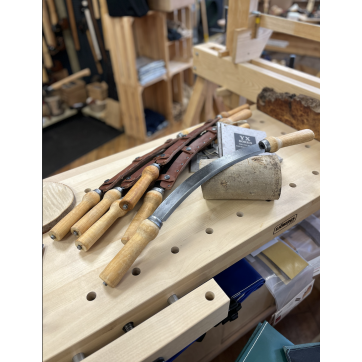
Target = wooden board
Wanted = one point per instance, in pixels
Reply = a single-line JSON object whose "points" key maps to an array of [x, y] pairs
{"points": [[71, 323], [58, 200], [244, 79], [172, 329]]}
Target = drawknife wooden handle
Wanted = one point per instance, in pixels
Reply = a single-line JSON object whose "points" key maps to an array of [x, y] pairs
{"points": [[235, 110], [61, 229], [82, 73], [85, 241], [244, 125], [94, 214], [240, 116], [149, 174], [119, 265], [291, 139], [151, 202]]}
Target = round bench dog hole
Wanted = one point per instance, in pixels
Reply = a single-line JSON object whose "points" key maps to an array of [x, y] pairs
{"points": [[209, 231], [175, 250], [87, 190], [283, 133], [210, 296], [262, 121], [315, 172], [136, 271], [307, 146], [240, 214], [91, 296], [292, 184]]}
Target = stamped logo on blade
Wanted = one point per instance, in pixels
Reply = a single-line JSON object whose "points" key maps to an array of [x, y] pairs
{"points": [[242, 141], [285, 223]]}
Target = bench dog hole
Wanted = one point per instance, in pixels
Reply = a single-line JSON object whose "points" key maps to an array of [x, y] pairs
{"points": [[87, 190], [91, 296], [209, 295], [292, 185], [240, 214], [175, 250], [136, 271], [315, 172], [209, 231]]}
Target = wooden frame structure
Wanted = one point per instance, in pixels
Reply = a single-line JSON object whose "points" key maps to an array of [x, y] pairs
{"points": [[129, 38], [237, 67]]}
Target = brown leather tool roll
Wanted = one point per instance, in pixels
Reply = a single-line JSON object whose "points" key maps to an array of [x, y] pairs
{"points": [[257, 178]]}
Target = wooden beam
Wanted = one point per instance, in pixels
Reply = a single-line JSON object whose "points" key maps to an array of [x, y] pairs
{"points": [[244, 79], [297, 28], [238, 17], [172, 329], [288, 72]]}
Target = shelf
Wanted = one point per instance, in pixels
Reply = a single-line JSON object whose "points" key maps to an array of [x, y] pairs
{"points": [[153, 81], [55, 119], [177, 67], [98, 115]]}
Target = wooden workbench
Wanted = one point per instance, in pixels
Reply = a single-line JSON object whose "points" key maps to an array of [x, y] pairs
{"points": [[72, 324]]}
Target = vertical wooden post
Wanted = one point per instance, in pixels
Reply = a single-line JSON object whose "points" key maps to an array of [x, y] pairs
{"points": [[238, 16]]}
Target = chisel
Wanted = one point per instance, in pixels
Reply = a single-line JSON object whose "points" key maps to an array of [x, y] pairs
{"points": [[149, 228]]}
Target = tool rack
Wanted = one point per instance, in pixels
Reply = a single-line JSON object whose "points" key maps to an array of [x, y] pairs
{"points": [[129, 37], [82, 315]]}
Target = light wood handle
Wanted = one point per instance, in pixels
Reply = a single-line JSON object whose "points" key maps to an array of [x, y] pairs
{"points": [[291, 139], [52, 12], [149, 174], [240, 116], [48, 61], [61, 229], [82, 73], [100, 227], [73, 24], [94, 214], [119, 265], [244, 125], [235, 110], [151, 202], [47, 28]]}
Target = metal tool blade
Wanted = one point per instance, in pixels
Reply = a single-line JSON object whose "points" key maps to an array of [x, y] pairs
{"points": [[169, 205]]}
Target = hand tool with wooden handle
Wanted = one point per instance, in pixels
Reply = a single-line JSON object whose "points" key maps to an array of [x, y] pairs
{"points": [[81, 226], [83, 73], [235, 110], [240, 116], [47, 28], [149, 174], [52, 12], [73, 25], [63, 227], [92, 32], [48, 61], [149, 228], [152, 201]]}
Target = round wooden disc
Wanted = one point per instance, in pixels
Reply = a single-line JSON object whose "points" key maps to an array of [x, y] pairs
{"points": [[58, 200]]}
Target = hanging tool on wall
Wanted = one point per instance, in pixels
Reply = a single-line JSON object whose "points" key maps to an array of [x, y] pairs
{"points": [[149, 228], [47, 28], [73, 25]]}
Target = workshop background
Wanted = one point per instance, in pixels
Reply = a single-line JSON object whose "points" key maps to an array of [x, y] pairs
{"points": [[118, 74]]}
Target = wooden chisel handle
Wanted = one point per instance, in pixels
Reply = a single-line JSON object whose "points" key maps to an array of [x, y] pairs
{"points": [[149, 174], [96, 213], [119, 265], [235, 110], [82, 73], [274, 144], [240, 116], [151, 202], [244, 125], [47, 28], [61, 229], [52, 12], [86, 241]]}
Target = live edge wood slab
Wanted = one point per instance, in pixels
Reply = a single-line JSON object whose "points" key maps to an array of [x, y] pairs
{"points": [[210, 235]]}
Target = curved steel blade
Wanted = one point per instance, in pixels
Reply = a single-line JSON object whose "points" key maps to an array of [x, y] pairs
{"points": [[169, 205]]}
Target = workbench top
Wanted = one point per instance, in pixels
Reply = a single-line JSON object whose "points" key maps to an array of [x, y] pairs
{"points": [[73, 324]]}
